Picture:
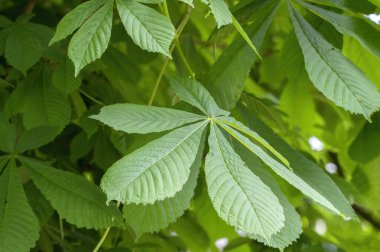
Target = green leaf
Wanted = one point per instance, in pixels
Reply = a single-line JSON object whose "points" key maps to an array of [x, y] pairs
{"points": [[7, 136], [64, 79], [352, 26], [152, 218], [75, 18], [35, 138], [305, 175], [76, 199], [91, 40], [3, 39], [150, 1], [148, 28], [156, 171], [45, 105], [22, 48], [221, 12], [4, 21], [230, 121], [363, 58], [226, 78], [334, 75], [40, 205], [3, 162], [349, 5], [298, 103], [367, 181], [19, 228], [133, 118], [238, 195], [293, 226], [365, 146], [195, 94], [189, 2]]}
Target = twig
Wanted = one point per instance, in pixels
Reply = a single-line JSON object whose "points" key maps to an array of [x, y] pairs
{"points": [[179, 30]]}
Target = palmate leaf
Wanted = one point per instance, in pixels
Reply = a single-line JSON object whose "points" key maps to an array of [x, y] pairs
{"points": [[91, 40], [75, 18], [293, 226], [352, 26], [19, 228], [304, 174], [195, 94], [333, 74], [148, 28], [77, 200], [133, 118], [238, 195], [152, 218], [156, 171]]}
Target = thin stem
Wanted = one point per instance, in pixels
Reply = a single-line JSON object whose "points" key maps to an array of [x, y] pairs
{"points": [[102, 240], [178, 46], [183, 57], [91, 98], [62, 233], [158, 81], [61, 229], [179, 30], [104, 236], [166, 9]]}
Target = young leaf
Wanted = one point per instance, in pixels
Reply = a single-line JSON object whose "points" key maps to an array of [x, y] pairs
{"points": [[152, 218], [133, 118], [19, 228], [195, 94], [148, 28], [22, 48], [75, 18], [91, 40], [76, 199], [352, 26], [334, 75], [293, 226], [238, 195], [226, 78], [305, 175], [156, 171]]}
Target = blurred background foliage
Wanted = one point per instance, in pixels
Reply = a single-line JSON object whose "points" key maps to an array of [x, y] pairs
{"points": [[42, 92]]}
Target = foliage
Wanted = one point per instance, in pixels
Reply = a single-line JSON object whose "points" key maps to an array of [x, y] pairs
{"points": [[155, 125]]}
